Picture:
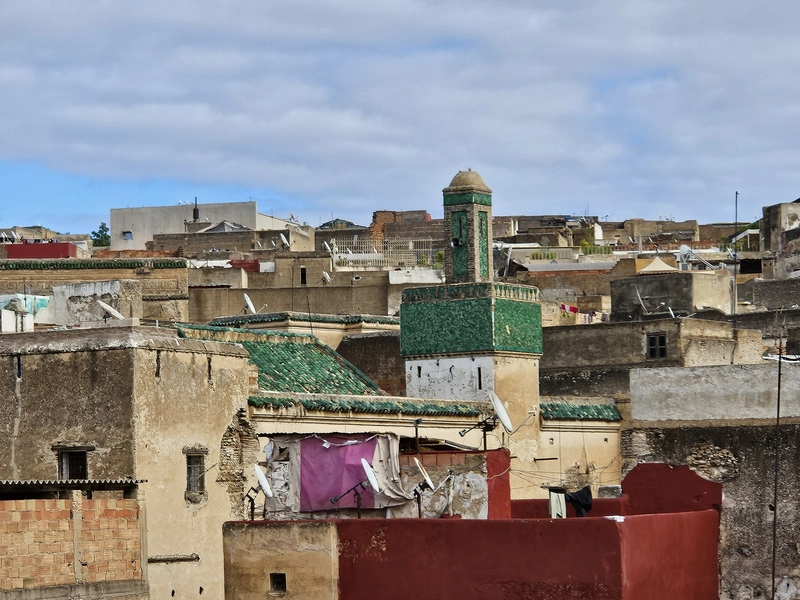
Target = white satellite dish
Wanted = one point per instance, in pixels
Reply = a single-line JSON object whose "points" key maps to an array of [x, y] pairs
{"points": [[269, 449], [262, 481], [249, 304], [14, 235], [373, 481], [425, 475], [500, 410], [111, 310], [349, 251], [327, 247], [284, 240], [326, 276]]}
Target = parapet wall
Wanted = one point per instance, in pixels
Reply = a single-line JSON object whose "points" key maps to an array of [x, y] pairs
{"points": [[40, 540]]}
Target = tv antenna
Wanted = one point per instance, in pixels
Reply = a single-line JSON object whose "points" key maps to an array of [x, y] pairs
{"points": [[371, 482], [500, 415], [426, 483], [252, 493]]}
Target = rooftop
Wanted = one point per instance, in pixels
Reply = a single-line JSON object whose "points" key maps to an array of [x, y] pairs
{"points": [[292, 362]]}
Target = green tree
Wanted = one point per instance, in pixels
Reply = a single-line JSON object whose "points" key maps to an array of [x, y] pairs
{"points": [[101, 237]]}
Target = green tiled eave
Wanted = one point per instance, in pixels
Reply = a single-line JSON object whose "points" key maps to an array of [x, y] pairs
{"points": [[374, 406], [468, 198], [305, 317], [77, 263], [563, 411]]}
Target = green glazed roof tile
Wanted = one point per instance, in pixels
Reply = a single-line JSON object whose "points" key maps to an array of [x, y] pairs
{"points": [[375, 406], [563, 411]]}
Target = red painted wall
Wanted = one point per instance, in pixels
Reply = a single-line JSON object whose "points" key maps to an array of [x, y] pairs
{"points": [[659, 488], [498, 466], [683, 558], [60, 250], [539, 508], [479, 560], [652, 557], [648, 489]]}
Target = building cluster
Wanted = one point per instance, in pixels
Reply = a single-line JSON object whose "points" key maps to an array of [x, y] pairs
{"points": [[227, 404]]}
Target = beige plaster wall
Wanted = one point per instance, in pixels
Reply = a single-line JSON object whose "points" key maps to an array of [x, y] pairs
{"points": [[306, 551], [181, 408]]}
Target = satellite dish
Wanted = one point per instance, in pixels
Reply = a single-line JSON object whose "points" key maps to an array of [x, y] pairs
{"points": [[327, 247], [284, 240], [268, 450], [14, 235], [262, 481], [249, 304], [500, 410], [326, 276], [425, 475], [111, 310], [349, 251], [373, 481]]}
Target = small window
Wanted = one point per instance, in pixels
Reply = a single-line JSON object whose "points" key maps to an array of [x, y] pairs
{"points": [[656, 345], [277, 582], [195, 473], [127, 235], [302, 275], [480, 379], [419, 372], [72, 465]]}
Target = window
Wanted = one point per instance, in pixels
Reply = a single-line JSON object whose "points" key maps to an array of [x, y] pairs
{"points": [[195, 473], [72, 464], [656, 345], [127, 235], [302, 276], [277, 582]]}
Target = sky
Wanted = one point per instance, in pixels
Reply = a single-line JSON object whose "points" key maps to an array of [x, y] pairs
{"points": [[616, 109]]}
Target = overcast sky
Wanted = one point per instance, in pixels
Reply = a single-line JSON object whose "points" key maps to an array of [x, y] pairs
{"points": [[622, 109]]}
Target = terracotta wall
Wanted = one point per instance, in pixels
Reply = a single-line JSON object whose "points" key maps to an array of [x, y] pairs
{"points": [[39, 540]]}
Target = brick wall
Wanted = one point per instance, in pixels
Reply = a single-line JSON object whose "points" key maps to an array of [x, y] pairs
{"points": [[39, 540]]}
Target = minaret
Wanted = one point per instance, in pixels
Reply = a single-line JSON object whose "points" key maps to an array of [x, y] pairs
{"points": [[468, 226], [471, 336]]}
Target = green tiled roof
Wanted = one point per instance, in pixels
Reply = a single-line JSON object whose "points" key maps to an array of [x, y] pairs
{"points": [[306, 317], [313, 368], [290, 362], [42, 264], [563, 411], [376, 406]]}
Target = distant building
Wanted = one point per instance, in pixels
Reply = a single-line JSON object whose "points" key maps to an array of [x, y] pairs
{"points": [[132, 228]]}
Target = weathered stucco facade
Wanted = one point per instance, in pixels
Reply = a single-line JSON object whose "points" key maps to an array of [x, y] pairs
{"points": [[720, 421], [138, 402]]}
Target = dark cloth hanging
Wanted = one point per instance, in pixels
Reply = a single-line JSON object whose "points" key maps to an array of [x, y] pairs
{"points": [[580, 500]]}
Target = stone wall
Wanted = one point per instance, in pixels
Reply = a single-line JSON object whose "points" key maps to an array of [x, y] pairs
{"points": [[742, 459], [40, 540], [377, 355]]}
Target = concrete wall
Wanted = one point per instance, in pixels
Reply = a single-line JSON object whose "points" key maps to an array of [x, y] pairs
{"points": [[76, 303], [377, 355], [741, 458], [684, 292], [71, 543], [92, 392], [144, 222], [648, 556], [191, 244], [777, 220], [305, 551], [164, 291], [191, 398], [366, 296], [732, 392], [139, 397]]}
